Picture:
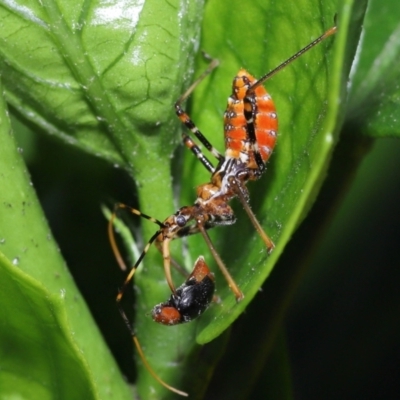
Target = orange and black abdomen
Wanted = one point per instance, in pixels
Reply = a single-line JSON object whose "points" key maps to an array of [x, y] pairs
{"points": [[250, 122]]}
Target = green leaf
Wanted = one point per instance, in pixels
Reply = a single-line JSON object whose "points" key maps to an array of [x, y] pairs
{"points": [[374, 100], [38, 352], [49, 344], [98, 75]]}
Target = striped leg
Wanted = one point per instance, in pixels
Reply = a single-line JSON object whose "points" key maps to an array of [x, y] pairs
{"points": [[186, 120], [192, 146]]}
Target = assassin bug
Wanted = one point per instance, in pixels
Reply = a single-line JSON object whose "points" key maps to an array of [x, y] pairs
{"points": [[250, 129]]}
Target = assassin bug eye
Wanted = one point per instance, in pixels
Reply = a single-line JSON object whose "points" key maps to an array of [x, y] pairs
{"points": [[180, 221]]}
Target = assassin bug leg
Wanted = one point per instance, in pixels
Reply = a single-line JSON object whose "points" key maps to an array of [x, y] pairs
{"points": [[115, 248], [161, 237], [243, 199], [190, 300], [185, 119], [186, 221], [231, 283]]}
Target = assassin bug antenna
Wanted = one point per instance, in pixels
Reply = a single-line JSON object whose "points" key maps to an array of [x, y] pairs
{"points": [[115, 248], [143, 358], [329, 32]]}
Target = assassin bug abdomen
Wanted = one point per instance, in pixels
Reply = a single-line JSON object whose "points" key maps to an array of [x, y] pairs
{"points": [[250, 124]]}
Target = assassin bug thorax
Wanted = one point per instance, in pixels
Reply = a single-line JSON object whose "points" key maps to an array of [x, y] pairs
{"points": [[250, 129]]}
